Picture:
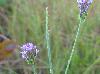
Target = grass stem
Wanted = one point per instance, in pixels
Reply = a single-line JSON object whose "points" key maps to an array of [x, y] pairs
{"points": [[73, 47], [48, 43]]}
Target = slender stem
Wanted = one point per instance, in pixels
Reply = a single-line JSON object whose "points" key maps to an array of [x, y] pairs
{"points": [[73, 47], [34, 68], [48, 43]]}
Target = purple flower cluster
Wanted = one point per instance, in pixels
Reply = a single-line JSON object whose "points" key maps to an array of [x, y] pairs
{"points": [[29, 51], [83, 6], [84, 1]]}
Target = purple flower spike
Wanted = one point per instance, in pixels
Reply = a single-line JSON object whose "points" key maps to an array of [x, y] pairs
{"points": [[84, 1], [83, 6], [29, 51], [27, 46]]}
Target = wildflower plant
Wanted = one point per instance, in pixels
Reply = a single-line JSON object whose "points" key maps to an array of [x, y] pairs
{"points": [[83, 7], [29, 52]]}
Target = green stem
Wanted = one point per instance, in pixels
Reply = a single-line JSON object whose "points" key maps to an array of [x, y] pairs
{"points": [[73, 47], [34, 69], [32, 62], [48, 43]]}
